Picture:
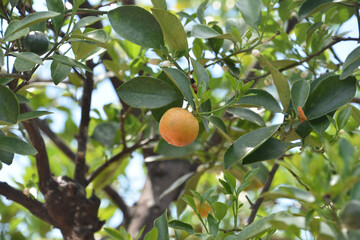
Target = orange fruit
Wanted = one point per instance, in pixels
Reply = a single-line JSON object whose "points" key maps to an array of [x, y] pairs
{"points": [[204, 210], [178, 127]]}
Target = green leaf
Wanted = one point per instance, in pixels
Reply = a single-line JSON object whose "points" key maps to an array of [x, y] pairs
{"points": [[329, 95], [213, 225], [203, 32], [220, 126], [247, 144], [172, 28], [136, 25], [163, 148], [158, 112], [304, 129], [113, 233], [351, 64], [9, 106], [98, 35], [356, 114], [181, 226], [182, 82], [29, 20], [255, 228], [200, 73], [59, 71], [271, 149], [15, 34], [259, 97], [83, 22], [32, 114], [161, 223], [247, 114], [309, 7], [299, 93], [320, 124], [180, 181], [56, 6], [220, 210], [26, 61], [236, 25], [70, 62], [250, 11], [281, 83], [200, 12], [343, 117], [6, 157], [104, 133], [15, 145], [147, 92], [290, 192], [2, 58], [152, 235], [159, 4]]}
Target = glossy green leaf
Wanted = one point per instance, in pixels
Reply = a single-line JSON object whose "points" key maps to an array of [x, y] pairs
{"points": [[159, 4], [152, 234], [161, 223], [237, 24], [213, 225], [56, 6], [220, 126], [355, 113], [254, 229], [259, 97], [250, 11], [70, 62], [309, 7], [136, 25], [281, 83], [147, 92], [98, 35], [203, 32], [182, 82], [181, 226], [12, 33], [220, 210], [85, 21], [29, 20], [26, 61], [304, 129], [9, 106], [172, 29], [271, 149], [247, 114], [32, 114], [290, 192], [351, 64], [329, 95], [299, 93], [15, 145], [163, 148], [113, 233], [6, 157], [247, 144], [59, 71], [343, 117], [180, 181], [200, 12], [200, 72]]}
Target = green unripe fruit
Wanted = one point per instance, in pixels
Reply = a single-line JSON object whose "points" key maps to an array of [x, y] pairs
{"points": [[37, 42], [350, 215]]}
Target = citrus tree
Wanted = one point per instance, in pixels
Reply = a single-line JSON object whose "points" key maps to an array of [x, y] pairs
{"points": [[245, 113]]}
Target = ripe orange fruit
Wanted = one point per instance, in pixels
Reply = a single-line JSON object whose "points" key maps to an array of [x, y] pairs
{"points": [[204, 210], [178, 127]]}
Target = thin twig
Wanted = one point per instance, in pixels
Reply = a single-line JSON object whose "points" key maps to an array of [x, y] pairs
{"points": [[357, 17], [266, 188], [118, 157], [119, 201]]}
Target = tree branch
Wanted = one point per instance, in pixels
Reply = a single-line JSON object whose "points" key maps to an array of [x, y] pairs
{"points": [[118, 200], [80, 168], [42, 160], [266, 188], [33, 205], [118, 157]]}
